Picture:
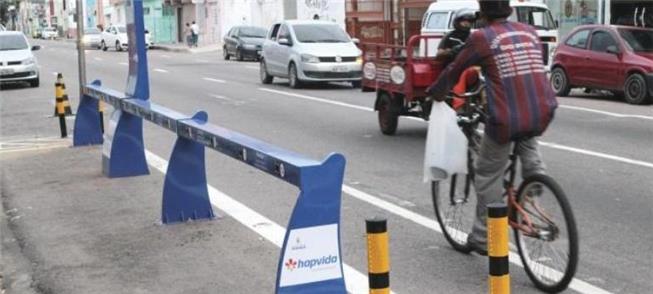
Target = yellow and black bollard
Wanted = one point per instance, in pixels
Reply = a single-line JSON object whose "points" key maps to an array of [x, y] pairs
{"points": [[61, 113], [497, 240], [60, 92], [378, 256], [100, 107]]}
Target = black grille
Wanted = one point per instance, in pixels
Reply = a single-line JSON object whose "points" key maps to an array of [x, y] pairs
{"points": [[333, 59], [13, 63], [16, 75], [333, 75]]}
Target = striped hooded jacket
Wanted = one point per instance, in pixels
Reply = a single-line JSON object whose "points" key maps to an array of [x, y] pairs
{"points": [[520, 101]]}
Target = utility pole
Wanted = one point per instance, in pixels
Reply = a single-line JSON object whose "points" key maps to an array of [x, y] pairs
{"points": [[81, 57]]}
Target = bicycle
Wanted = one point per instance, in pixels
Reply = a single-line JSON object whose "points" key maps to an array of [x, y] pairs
{"points": [[537, 231]]}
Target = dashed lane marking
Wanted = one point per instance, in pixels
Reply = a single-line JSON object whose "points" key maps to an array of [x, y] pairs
{"points": [[161, 70], [546, 144], [214, 80], [613, 114]]}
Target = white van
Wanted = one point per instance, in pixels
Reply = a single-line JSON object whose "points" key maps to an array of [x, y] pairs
{"points": [[438, 19]]}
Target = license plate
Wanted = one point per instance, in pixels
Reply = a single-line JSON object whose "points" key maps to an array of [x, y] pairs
{"points": [[340, 69], [6, 71]]}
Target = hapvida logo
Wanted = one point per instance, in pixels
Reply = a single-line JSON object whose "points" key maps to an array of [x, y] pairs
{"points": [[291, 264]]}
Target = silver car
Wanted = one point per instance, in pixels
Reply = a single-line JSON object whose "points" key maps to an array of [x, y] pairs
{"points": [[17, 63], [310, 51]]}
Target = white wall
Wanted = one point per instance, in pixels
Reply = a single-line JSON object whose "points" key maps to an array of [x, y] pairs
{"points": [[329, 10]]}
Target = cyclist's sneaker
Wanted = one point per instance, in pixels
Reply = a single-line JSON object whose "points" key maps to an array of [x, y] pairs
{"points": [[473, 245]]}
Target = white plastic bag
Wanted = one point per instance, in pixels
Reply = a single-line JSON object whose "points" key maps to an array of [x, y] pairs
{"points": [[446, 145]]}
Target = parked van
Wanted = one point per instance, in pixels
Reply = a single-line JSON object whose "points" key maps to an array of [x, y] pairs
{"points": [[438, 19]]}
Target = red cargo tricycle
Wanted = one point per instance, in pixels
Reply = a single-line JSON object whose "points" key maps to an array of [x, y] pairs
{"points": [[400, 75]]}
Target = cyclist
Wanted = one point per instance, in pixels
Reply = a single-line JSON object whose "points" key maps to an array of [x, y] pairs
{"points": [[520, 103], [451, 45]]}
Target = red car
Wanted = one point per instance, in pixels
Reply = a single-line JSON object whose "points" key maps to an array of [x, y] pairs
{"points": [[614, 58]]}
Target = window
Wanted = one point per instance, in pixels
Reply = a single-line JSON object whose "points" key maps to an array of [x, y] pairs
{"points": [[146, 11], [275, 30], [309, 33], [252, 32], [540, 18], [284, 33], [639, 40], [12, 42], [601, 40], [438, 20], [579, 39]]}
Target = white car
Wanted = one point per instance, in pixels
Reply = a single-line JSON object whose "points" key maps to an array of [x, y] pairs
{"points": [[17, 63], [116, 37], [310, 51], [92, 38], [49, 33]]}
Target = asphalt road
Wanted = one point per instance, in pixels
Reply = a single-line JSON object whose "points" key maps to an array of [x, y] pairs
{"points": [[598, 149]]}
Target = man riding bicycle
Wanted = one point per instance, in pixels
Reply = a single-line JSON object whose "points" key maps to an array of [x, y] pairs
{"points": [[520, 103]]}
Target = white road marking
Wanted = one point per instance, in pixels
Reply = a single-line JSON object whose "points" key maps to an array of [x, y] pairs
{"points": [[161, 70], [613, 114], [55, 73], [97, 59], [221, 97], [598, 154], [214, 80], [357, 282], [550, 145], [165, 56], [252, 67], [322, 100], [432, 224], [124, 63]]}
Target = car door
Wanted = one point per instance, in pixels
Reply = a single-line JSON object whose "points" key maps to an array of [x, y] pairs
{"points": [[233, 42], [111, 37], [283, 51], [573, 57], [604, 68], [271, 50]]}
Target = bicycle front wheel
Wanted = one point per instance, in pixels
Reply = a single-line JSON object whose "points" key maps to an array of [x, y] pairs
{"points": [[454, 210], [545, 233]]}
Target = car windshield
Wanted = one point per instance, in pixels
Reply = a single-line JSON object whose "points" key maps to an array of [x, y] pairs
{"points": [[638, 40], [252, 32], [91, 31], [12, 42], [437, 21], [50, 29], [538, 17], [322, 33]]}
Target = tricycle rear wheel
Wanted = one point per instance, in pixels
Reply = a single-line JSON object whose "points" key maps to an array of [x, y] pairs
{"points": [[388, 113]]}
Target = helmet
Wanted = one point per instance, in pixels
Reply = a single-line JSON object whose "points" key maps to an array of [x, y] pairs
{"points": [[462, 15], [494, 9]]}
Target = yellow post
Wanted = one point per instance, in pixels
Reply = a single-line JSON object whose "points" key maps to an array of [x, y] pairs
{"points": [[59, 108], [60, 92], [497, 240], [378, 256]]}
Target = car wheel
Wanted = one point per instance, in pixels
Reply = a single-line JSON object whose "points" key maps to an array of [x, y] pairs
{"points": [[560, 82], [635, 90], [239, 55], [103, 46], [295, 83], [225, 53], [357, 84], [118, 48], [34, 83], [266, 78]]}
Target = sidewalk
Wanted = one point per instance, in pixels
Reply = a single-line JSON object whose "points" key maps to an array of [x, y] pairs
{"points": [[185, 49]]}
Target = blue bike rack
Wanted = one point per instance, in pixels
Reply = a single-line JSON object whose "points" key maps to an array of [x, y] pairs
{"points": [[310, 259]]}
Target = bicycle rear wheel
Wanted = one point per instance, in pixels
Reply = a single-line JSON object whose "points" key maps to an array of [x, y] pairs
{"points": [[549, 251]]}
